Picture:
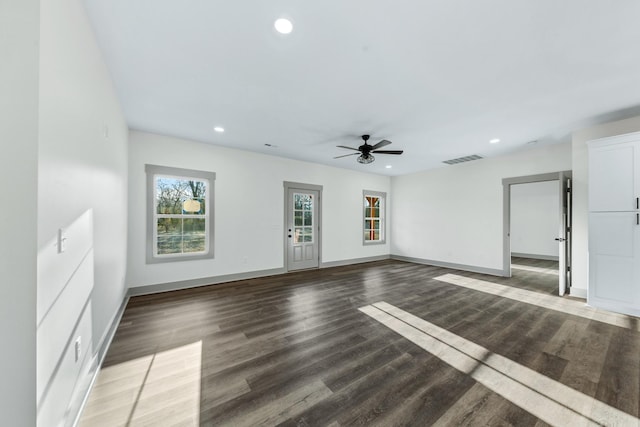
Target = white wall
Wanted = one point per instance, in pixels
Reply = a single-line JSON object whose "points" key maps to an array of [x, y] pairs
{"points": [[82, 166], [19, 32], [535, 218], [580, 244], [454, 214], [249, 211]]}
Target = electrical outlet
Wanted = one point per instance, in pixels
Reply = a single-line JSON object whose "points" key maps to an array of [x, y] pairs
{"points": [[78, 348]]}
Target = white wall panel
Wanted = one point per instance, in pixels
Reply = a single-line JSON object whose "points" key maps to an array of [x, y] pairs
{"points": [[454, 214], [82, 168], [55, 268], [249, 216], [56, 328], [62, 388], [19, 50]]}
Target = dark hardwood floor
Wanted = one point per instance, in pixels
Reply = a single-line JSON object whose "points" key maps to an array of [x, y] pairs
{"points": [[295, 350]]}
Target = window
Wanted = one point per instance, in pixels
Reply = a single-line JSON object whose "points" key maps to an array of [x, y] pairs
{"points": [[303, 218], [374, 212], [179, 214]]}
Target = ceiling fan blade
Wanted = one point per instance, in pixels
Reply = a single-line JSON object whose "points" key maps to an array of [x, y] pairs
{"points": [[381, 144], [350, 154], [348, 148], [388, 152]]}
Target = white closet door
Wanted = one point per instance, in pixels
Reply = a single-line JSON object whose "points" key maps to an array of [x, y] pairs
{"points": [[614, 267], [612, 178]]}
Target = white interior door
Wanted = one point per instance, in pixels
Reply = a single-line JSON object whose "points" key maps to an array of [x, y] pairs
{"points": [[302, 229], [564, 236]]}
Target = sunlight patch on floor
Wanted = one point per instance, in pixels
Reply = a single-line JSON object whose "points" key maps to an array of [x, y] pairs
{"points": [[553, 271], [547, 399], [567, 306], [159, 389]]}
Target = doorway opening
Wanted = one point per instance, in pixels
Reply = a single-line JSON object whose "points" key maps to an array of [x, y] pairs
{"points": [[537, 229]]}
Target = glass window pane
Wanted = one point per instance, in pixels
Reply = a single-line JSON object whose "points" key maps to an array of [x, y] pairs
{"points": [[171, 193], [308, 230], [169, 236], [169, 226], [193, 235], [297, 215], [308, 218], [308, 238], [169, 245], [297, 201], [308, 202], [193, 207], [297, 235], [193, 243], [373, 220]]}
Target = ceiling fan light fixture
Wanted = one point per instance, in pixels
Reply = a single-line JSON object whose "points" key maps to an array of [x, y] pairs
{"points": [[365, 160]]}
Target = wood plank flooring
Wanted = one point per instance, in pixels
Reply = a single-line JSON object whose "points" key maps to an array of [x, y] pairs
{"points": [[295, 350]]}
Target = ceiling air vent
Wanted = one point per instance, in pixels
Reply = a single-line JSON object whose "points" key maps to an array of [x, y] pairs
{"points": [[462, 159]]}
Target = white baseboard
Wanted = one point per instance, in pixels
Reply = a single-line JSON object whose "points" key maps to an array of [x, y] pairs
{"points": [[451, 265], [536, 256], [354, 261]]}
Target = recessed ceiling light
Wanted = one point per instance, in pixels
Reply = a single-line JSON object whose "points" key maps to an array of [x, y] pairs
{"points": [[283, 26], [494, 141], [388, 166], [218, 129]]}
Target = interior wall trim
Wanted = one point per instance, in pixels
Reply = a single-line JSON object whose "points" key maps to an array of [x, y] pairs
{"points": [[97, 360], [354, 261], [535, 256], [578, 292], [204, 281], [454, 266]]}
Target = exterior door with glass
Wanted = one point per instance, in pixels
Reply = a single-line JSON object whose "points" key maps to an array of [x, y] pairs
{"points": [[302, 228]]}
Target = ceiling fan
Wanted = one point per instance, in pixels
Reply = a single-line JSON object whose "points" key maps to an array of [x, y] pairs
{"points": [[365, 150]]}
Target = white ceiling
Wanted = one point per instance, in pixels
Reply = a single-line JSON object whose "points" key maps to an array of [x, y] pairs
{"points": [[438, 78]]}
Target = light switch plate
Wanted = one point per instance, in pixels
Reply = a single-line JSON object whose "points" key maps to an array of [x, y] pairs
{"points": [[78, 348], [61, 241]]}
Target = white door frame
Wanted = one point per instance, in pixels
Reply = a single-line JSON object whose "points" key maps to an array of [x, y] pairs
{"points": [[288, 185], [506, 214]]}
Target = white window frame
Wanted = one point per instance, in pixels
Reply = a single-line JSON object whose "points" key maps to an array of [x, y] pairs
{"points": [[383, 215], [155, 171]]}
